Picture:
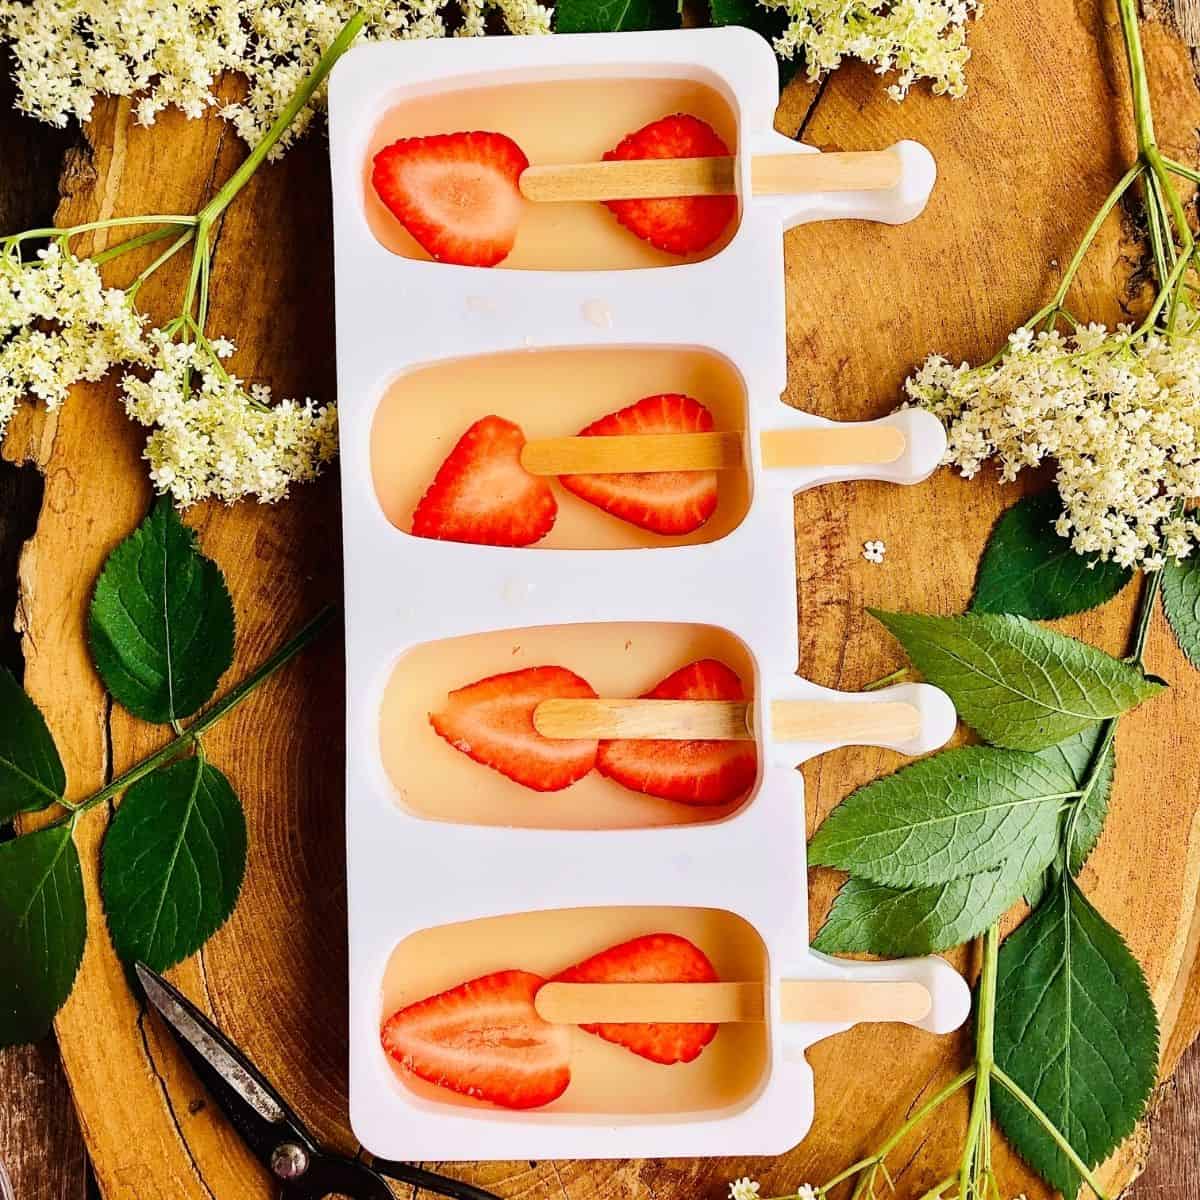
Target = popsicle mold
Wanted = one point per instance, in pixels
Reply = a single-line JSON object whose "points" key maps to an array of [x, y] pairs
{"points": [[397, 316]]}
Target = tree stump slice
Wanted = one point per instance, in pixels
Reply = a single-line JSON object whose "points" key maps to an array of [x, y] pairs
{"points": [[1024, 161]]}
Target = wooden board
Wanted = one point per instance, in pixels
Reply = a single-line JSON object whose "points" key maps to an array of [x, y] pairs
{"points": [[1024, 161]]}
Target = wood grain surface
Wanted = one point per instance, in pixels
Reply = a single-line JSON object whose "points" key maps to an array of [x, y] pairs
{"points": [[1023, 161]]}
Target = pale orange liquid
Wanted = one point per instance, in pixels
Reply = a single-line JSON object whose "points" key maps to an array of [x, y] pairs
{"points": [[549, 393], [432, 779], [605, 1078], [557, 121]]}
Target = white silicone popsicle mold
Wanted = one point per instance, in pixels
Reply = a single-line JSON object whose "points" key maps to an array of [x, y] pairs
{"points": [[407, 873]]}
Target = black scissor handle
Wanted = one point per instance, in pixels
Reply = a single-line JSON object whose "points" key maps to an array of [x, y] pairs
{"points": [[431, 1181]]}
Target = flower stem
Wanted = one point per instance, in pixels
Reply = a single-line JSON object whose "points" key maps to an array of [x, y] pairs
{"points": [[1034, 1108], [303, 95], [222, 708], [134, 243], [979, 1124], [927, 1109]]}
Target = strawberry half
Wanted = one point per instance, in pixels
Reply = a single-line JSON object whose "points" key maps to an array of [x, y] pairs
{"points": [[492, 722], [484, 1039], [667, 502], [482, 494], [676, 224], [456, 193], [654, 958], [690, 772]]}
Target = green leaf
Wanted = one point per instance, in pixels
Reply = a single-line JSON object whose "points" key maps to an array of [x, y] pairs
{"points": [[770, 22], [1077, 1031], [31, 772], [1074, 756], [1017, 684], [897, 922], [174, 858], [43, 926], [1029, 570], [954, 814], [1181, 599], [614, 16], [161, 622]]}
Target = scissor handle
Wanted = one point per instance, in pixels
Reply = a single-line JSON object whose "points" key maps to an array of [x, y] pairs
{"points": [[431, 1181]]}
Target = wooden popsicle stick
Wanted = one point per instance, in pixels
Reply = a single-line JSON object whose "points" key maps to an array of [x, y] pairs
{"points": [[800, 1001], [727, 720], [819, 446], [770, 174]]}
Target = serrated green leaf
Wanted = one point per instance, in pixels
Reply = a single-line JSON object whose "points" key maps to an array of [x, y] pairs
{"points": [[1018, 685], [1077, 1031], [161, 621], [1074, 756], [615, 16], [174, 858], [769, 22], [1028, 570], [31, 772], [898, 922], [954, 814], [1181, 600], [43, 926]]}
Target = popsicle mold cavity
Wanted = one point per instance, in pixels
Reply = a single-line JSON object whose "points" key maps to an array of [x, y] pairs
{"points": [[424, 412], [604, 1077], [444, 777], [554, 120]]}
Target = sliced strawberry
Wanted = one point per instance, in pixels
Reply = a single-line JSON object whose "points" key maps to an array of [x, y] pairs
{"points": [[492, 722], [667, 502], [653, 958], [678, 224], [456, 193], [482, 494], [484, 1039], [690, 772]]}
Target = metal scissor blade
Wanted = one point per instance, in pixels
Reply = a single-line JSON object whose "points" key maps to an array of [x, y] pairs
{"points": [[257, 1111]]}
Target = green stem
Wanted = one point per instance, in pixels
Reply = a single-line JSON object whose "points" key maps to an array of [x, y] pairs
{"points": [[892, 677], [303, 95], [164, 257], [91, 226], [1018, 1093], [222, 708], [1123, 185], [928, 1108], [134, 243], [978, 1126]]}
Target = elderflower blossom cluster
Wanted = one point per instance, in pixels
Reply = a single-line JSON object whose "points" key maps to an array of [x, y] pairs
{"points": [[210, 435], [1117, 412], [747, 1189], [172, 52], [59, 325], [915, 39]]}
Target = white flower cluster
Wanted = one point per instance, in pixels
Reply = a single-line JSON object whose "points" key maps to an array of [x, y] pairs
{"points": [[1117, 412], [213, 437], [210, 435], [59, 324], [171, 52], [917, 39], [747, 1189]]}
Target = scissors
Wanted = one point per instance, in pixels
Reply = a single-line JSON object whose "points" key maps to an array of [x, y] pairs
{"points": [[276, 1135]]}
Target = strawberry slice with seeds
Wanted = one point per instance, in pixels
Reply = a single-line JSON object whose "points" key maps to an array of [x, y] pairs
{"points": [[482, 494], [492, 722], [700, 772], [676, 224], [456, 193], [667, 502], [653, 958], [484, 1039]]}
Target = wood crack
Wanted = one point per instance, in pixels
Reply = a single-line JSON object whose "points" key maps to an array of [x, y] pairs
{"points": [[169, 1105]]}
